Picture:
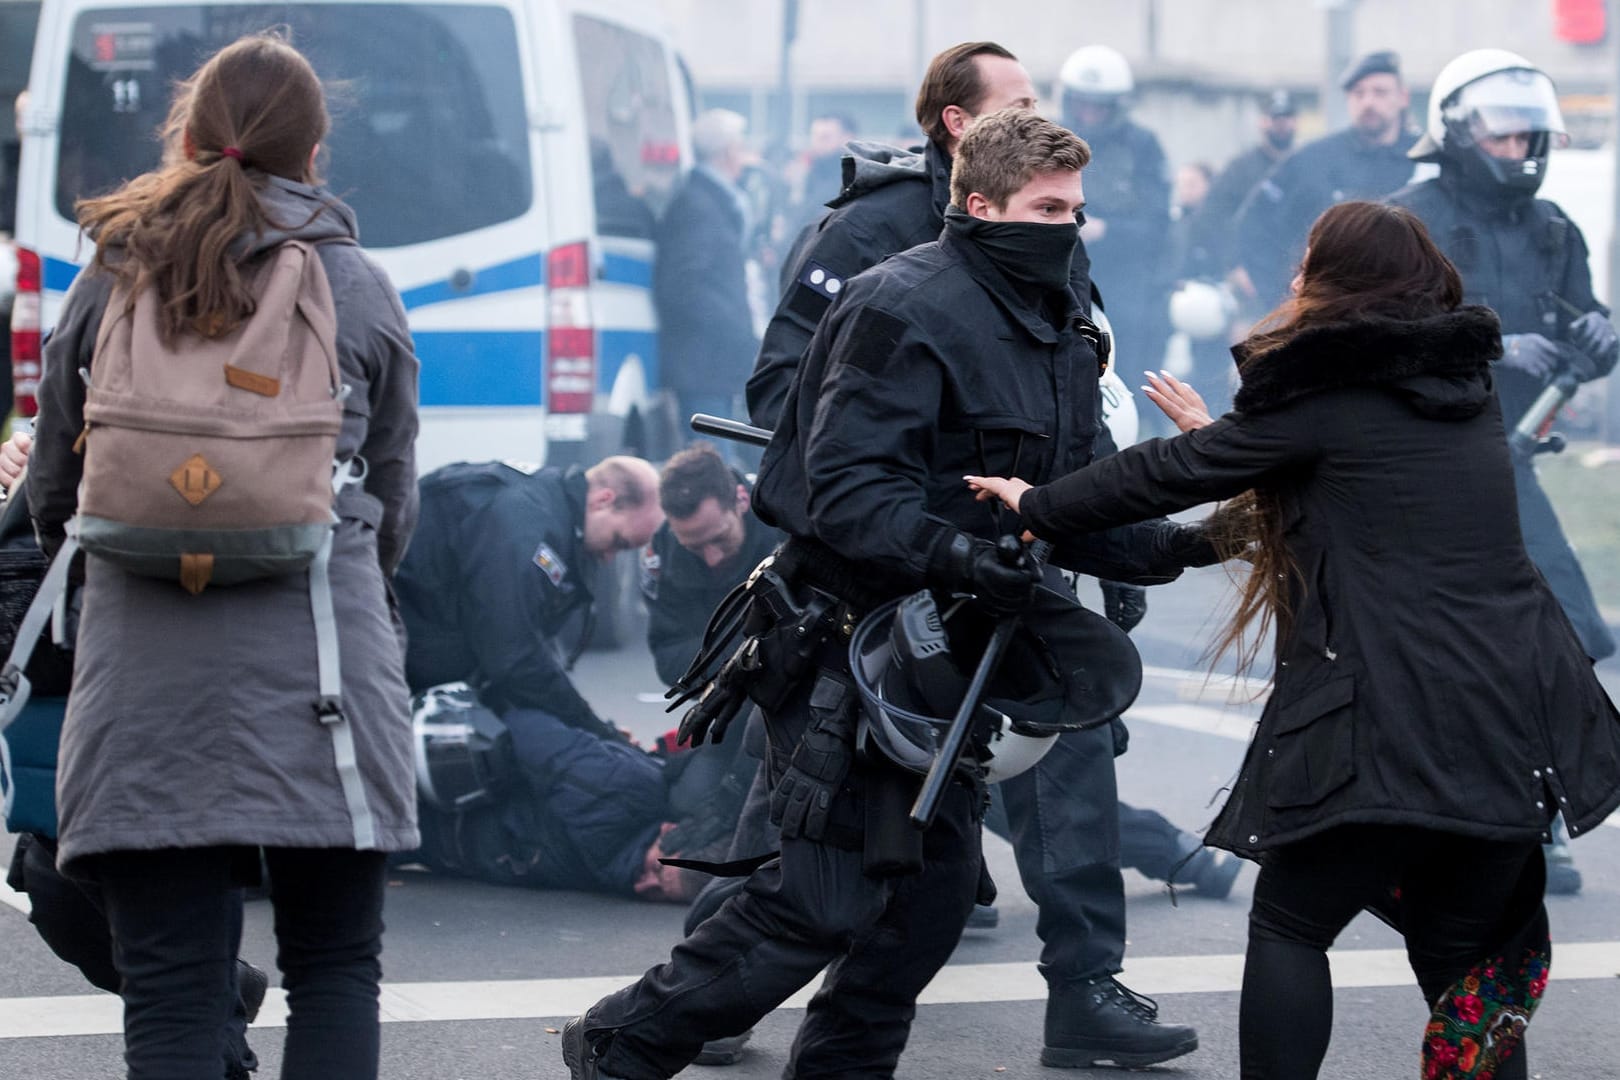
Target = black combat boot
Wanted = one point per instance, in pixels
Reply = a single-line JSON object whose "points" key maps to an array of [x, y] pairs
{"points": [[578, 1054], [1100, 1022]]}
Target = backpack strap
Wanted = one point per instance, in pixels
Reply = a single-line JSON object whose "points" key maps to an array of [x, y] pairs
{"points": [[14, 685], [329, 706]]}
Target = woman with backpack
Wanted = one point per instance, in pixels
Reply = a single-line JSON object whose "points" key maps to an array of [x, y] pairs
{"points": [[217, 713], [1432, 707]]}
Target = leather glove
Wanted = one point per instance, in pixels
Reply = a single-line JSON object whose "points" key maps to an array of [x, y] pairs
{"points": [[1539, 357], [1125, 605], [999, 575], [801, 801], [1594, 335]]}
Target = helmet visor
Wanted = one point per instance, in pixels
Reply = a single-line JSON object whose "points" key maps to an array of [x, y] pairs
{"points": [[1514, 102]]}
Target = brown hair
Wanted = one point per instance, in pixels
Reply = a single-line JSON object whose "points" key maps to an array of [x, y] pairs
{"points": [[1003, 151], [693, 476], [953, 78], [1363, 260], [254, 108]]}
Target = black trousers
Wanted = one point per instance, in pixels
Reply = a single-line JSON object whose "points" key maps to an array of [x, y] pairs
{"points": [[176, 920], [1456, 909], [71, 919]]}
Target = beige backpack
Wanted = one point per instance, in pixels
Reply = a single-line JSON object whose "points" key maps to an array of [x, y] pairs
{"points": [[210, 461]]}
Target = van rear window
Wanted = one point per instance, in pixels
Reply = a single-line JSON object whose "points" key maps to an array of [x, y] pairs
{"points": [[429, 136]]}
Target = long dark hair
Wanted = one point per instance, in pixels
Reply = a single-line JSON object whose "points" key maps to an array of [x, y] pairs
{"points": [[1363, 260], [254, 108]]}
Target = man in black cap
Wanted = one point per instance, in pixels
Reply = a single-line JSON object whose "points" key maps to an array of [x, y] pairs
{"points": [[1367, 160], [1279, 118]]}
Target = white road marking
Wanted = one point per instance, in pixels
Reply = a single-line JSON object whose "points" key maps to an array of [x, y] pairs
{"points": [[957, 984], [1236, 690], [1227, 723], [12, 898]]}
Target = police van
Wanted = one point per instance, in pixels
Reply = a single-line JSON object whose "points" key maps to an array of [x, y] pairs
{"points": [[506, 160]]}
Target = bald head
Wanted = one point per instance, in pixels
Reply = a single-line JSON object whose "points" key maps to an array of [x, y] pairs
{"points": [[621, 505]]}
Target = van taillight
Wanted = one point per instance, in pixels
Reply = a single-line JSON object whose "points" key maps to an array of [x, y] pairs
{"points": [[570, 335], [25, 334]]}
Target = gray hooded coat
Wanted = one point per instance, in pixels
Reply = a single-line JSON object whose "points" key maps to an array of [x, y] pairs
{"points": [[191, 722]]}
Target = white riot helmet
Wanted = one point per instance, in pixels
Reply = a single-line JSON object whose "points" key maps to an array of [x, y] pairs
{"points": [[1492, 92], [1118, 403], [1200, 310], [461, 749], [1096, 73]]}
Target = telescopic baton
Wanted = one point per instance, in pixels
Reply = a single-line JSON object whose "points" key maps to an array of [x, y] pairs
{"points": [[735, 430], [950, 752]]}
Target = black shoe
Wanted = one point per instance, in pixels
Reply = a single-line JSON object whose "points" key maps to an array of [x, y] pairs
{"points": [[723, 1051], [1100, 1022], [983, 917], [251, 986], [1562, 879], [577, 1054]]}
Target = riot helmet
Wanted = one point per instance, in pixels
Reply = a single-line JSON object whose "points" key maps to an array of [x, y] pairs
{"points": [[910, 688], [1118, 404], [1480, 101], [462, 749], [1095, 78]]}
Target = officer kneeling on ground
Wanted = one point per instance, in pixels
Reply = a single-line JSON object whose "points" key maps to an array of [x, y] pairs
{"points": [[936, 359], [499, 566]]}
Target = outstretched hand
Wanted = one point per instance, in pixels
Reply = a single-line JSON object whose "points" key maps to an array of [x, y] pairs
{"points": [[1008, 489], [1180, 402]]}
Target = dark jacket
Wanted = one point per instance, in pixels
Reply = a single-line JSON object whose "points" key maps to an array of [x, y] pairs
{"points": [[1515, 255], [1279, 213], [892, 200], [927, 367], [497, 568], [1226, 196], [1429, 677], [191, 720], [682, 591], [706, 340]]}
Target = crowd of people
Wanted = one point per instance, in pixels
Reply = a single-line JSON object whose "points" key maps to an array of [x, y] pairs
{"points": [[940, 468]]}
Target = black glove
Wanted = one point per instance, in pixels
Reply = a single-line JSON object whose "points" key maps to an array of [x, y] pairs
{"points": [[1539, 357], [801, 801], [999, 575], [1124, 604], [1594, 335]]}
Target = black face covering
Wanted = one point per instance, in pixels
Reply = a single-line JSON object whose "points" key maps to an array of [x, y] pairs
{"points": [[1026, 252]]}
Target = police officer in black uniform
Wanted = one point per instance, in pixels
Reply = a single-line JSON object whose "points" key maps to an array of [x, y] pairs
{"points": [[1492, 118], [967, 350], [1367, 160], [1278, 123], [1067, 846]]}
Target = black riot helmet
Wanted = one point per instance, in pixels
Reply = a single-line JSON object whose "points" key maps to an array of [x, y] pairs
{"points": [[1485, 96], [463, 751]]}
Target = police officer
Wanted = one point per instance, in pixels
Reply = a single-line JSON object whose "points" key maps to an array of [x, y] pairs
{"points": [[708, 543], [1493, 116], [499, 564], [1127, 220], [1278, 124], [892, 200], [1367, 160], [1068, 847], [969, 349]]}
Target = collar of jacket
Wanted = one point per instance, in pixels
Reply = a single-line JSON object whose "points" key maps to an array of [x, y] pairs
{"points": [[575, 487], [983, 271], [938, 163], [1368, 352]]}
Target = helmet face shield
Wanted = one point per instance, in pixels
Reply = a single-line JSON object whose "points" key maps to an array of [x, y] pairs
{"points": [[1515, 102]]}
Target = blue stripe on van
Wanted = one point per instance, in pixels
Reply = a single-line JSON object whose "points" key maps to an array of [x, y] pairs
{"points": [[59, 274], [621, 269], [467, 367], [615, 346], [521, 273]]}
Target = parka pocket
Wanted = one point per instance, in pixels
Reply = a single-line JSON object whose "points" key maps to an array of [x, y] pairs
{"points": [[1313, 751]]}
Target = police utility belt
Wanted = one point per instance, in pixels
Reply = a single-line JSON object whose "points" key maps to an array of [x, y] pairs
{"points": [[798, 599]]}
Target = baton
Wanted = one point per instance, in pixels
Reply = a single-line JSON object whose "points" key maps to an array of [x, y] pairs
{"points": [[950, 752], [735, 430]]}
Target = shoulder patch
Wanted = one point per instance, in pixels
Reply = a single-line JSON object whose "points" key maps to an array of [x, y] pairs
{"points": [[550, 562], [820, 279]]}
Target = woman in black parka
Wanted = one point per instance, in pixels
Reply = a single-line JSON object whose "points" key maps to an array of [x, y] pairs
{"points": [[1432, 707]]}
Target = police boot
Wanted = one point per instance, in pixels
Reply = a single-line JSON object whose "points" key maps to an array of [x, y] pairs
{"points": [[1562, 877], [1100, 1022], [578, 1053]]}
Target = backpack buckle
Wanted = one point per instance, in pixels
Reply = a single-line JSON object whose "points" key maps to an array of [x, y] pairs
{"points": [[329, 709]]}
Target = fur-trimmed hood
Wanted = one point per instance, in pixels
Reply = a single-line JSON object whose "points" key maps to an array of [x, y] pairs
{"points": [[1441, 364]]}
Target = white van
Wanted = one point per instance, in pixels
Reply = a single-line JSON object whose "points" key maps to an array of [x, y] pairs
{"points": [[506, 159]]}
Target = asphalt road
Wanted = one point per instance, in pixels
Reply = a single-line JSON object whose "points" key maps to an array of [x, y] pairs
{"points": [[479, 977]]}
